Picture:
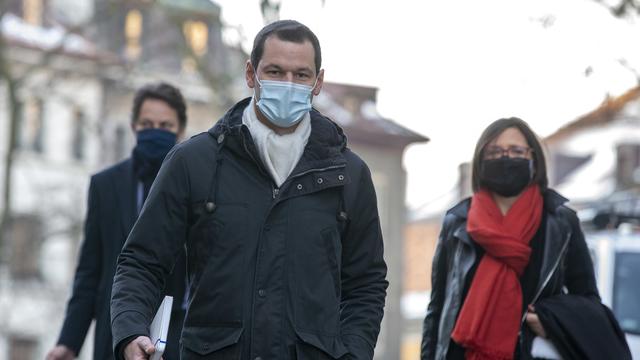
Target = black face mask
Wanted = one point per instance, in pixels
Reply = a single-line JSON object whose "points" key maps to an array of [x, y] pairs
{"points": [[506, 176], [151, 148]]}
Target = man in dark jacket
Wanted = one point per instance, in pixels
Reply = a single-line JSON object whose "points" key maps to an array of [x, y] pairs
{"points": [[279, 218], [115, 198]]}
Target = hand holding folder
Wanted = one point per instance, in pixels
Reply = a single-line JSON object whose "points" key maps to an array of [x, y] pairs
{"points": [[160, 327]]}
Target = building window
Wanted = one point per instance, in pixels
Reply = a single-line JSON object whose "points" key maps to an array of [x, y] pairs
{"points": [[133, 32], [628, 163], [31, 129], [25, 237], [32, 12], [78, 140], [21, 348], [197, 34]]}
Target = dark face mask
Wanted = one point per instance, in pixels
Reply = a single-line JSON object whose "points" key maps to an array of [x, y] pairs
{"points": [[506, 176], [151, 148]]}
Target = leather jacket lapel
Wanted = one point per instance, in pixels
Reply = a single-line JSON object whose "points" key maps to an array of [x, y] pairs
{"points": [[556, 242]]}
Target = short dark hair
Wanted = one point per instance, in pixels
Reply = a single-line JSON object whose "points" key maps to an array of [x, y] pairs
{"points": [[287, 30], [494, 130], [161, 91]]}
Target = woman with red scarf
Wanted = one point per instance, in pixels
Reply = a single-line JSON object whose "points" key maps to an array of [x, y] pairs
{"points": [[513, 243]]}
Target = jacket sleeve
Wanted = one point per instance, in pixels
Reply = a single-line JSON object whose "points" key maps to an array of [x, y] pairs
{"points": [[364, 270], [434, 310], [579, 273], [149, 254], [82, 304]]}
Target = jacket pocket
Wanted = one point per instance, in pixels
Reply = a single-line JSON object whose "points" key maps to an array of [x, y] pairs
{"points": [[319, 347], [333, 249], [317, 282], [211, 343], [217, 253]]}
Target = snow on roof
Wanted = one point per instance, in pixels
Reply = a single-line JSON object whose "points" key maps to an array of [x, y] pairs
{"points": [[16, 29], [362, 120], [332, 109], [595, 179], [435, 208], [603, 114]]}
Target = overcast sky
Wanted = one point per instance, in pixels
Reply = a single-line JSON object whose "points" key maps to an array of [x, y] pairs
{"points": [[448, 68]]}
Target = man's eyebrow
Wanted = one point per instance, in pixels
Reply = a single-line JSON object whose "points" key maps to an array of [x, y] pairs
{"points": [[278, 67], [273, 66]]}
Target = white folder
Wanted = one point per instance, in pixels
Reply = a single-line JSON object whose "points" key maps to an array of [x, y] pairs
{"points": [[160, 327], [544, 349]]}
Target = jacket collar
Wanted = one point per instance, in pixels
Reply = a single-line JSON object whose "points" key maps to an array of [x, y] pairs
{"points": [[552, 201], [325, 146]]}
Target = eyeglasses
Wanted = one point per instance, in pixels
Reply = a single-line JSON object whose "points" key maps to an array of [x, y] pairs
{"points": [[496, 152]]}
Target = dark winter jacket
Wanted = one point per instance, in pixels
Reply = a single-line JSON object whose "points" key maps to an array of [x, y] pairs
{"points": [[295, 272], [111, 212], [565, 263]]}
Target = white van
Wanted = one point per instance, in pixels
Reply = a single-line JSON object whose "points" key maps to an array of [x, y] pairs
{"points": [[616, 258]]}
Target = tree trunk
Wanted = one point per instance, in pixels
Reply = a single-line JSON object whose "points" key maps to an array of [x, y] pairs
{"points": [[12, 133]]}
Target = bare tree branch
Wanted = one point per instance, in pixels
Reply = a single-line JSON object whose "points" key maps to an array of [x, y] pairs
{"points": [[622, 8], [13, 83]]}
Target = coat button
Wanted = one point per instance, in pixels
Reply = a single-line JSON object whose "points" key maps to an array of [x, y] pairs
{"points": [[205, 347], [220, 138], [262, 293], [320, 181], [299, 187], [341, 177], [210, 206]]}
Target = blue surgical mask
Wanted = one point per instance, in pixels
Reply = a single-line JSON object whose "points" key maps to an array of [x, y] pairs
{"points": [[284, 103]]}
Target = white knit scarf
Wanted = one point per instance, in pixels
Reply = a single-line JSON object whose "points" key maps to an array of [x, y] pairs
{"points": [[279, 153]]}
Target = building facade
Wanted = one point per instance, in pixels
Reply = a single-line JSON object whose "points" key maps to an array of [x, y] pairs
{"points": [[73, 95]]}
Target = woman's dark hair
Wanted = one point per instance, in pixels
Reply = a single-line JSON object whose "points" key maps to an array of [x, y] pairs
{"points": [[161, 91], [494, 130], [287, 30]]}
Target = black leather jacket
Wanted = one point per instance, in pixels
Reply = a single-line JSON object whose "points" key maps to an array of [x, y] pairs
{"points": [[566, 266]]}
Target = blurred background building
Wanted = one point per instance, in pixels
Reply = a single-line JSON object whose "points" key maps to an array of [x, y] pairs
{"points": [[69, 71]]}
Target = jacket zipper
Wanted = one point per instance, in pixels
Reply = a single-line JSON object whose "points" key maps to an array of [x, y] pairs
{"points": [[274, 194], [544, 284], [553, 270]]}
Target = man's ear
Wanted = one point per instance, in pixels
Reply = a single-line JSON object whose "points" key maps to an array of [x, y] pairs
{"points": [[319, 82], [249, 74]]}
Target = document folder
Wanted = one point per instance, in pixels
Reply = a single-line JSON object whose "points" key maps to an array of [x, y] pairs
{"points": [[160, 327]]}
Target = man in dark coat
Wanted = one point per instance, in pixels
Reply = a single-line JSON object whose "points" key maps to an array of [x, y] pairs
{"points": [[280, 222], [115, 198]]}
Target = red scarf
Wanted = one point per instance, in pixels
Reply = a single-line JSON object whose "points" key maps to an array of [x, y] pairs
{"points": [[489, 321]]}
